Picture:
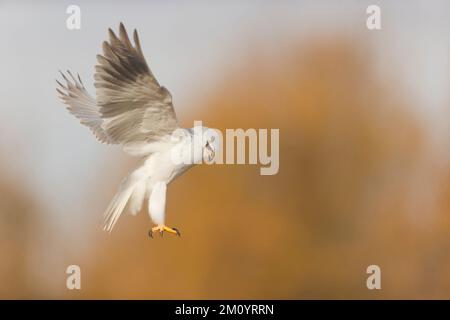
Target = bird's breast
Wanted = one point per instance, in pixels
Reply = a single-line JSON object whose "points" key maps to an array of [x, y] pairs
{"points": [[160, 167]]}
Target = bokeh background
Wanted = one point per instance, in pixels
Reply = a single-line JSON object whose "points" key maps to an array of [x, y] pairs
{"points": [[364, 160]]}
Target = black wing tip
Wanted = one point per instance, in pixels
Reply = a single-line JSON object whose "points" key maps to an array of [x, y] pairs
{"points": [[124, 38], [135, 36], [76, 81], [112, 35], [121, 26]]}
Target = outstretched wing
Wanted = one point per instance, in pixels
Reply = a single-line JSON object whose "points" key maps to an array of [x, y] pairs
{"points": [[135, 107], [80, 103], [131, 107]]}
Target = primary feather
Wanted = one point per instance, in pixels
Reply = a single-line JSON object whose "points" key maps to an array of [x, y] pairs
{"points": [[130, 106]]}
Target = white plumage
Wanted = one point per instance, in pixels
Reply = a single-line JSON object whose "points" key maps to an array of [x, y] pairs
{"points": [[133, 110]]}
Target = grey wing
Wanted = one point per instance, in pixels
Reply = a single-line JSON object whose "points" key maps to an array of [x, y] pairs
{"points": [[135, 108], [131, 107], [81, 104]]}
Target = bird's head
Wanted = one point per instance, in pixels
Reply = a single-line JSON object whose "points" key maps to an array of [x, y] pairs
{"points": [[207, 140], [209, 147]]}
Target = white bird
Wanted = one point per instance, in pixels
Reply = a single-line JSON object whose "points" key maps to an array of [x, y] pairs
{"points": [[131, 109]]}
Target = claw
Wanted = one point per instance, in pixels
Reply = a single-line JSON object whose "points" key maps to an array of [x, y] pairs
{"points": [[177, 231], [161, 229]]}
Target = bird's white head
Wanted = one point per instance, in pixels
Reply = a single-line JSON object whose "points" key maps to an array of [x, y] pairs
{"points": [[205, 143]]}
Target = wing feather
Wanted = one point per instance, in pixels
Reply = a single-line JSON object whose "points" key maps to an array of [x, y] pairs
{"points": [[130, 106], [82, 105]]}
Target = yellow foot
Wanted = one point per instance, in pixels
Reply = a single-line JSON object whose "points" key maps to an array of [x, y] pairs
{"points": [[161, 228]]}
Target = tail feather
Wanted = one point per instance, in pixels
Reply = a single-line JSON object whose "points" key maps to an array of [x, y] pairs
{"points": [[120, 200], [137, 198], [115, 208]]}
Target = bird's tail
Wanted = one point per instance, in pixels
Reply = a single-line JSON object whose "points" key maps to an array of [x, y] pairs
{"points": [[119, 202]]}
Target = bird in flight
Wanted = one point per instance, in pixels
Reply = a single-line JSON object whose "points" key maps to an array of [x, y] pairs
{"points": [[133, 110]]}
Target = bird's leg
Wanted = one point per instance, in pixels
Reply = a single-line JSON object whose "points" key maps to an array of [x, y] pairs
{"points": [[157, 208], [161, 228]]}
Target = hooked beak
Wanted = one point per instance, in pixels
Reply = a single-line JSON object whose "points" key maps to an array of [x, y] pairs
{"points": [[211, 152]]}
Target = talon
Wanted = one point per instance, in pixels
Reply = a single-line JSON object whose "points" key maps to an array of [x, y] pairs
{"points": [[161, 229], [177, 231]]}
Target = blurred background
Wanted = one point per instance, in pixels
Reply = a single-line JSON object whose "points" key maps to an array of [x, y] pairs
{"points": [[364, 160]]}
